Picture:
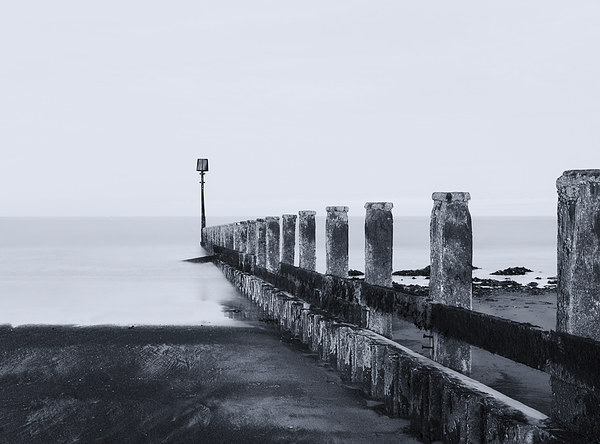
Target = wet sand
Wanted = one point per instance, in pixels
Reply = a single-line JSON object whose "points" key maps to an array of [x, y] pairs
{"points": [[530, 386], [176, 384]]}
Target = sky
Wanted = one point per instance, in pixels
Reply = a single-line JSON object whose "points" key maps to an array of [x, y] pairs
{"points": [[105, 106]]}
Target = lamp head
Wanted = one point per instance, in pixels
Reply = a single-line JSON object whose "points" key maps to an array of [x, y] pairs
{"points": [[202, 165]]}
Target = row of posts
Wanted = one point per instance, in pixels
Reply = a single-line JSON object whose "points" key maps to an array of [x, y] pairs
{"points": [[451, 246], [272, 243]]}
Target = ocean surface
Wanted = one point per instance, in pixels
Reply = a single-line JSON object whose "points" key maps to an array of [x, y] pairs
{"points": [[125, 271]]}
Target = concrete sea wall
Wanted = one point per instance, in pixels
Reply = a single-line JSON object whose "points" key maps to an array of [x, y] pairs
{"points": [[441, 404]]}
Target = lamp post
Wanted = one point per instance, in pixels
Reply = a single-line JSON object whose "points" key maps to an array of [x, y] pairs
{"points": [[202, 167]]}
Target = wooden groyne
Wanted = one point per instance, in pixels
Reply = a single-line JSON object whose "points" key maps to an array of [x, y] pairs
{"points": [[349, 322]]}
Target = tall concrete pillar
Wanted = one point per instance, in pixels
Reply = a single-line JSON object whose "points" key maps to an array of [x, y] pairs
{"points": [[578, 308], [261, 243], [243, 229], [222, 236], [252, 240], [336, 246], [288, 244], [575, 405], [237, 236], [273, 243], [230, 236], [307, 240], [451, 238], [379, 228]]}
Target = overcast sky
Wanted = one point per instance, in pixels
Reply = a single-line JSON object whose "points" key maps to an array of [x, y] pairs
{"points": [[105, 105]]}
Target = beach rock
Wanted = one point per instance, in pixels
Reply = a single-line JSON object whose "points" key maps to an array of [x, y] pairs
{"points": [[419, 272], [512, 271], [416, 290], [355, 273]]}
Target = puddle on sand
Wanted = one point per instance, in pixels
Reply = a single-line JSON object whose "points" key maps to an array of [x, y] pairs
{"points": [[527, 385]]}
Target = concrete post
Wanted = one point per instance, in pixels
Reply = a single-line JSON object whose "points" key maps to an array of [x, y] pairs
{"points": [[252, 241], [307, 240], [578, 303], [451, 238], [261, 241], [336, 246], [273, 244], [230, 236], [243, 228], [578, 308], [237, 236], [288, 245], [379, 227]]}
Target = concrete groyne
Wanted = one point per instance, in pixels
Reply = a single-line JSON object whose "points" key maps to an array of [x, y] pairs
{"points": [[349, 322]]}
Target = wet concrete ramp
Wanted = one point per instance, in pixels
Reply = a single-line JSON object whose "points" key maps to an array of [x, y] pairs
{"points": [[175, 384]]}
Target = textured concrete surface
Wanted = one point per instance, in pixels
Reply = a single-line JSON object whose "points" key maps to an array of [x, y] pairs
{"points": [[261, 243], [336, 241], [451, 250], [288, 242], [578, 307], [451, 270], [307, 240], [176, 384], [579, 253], [273, 243], [379, 230]]}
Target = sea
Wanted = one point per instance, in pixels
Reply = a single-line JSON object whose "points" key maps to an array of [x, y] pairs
{"points": [[122, 270], [132, 271]]}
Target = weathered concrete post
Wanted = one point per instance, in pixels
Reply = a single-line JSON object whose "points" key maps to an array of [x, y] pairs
{"points": [[252, 240], [578, 308], [261, 243], [578, 302], [237, 236], [230, 236], [379, 240], [243, 229], [307, 240], [336, 246], [379, 228], [288, 244], [451, 237], [273, 244]]}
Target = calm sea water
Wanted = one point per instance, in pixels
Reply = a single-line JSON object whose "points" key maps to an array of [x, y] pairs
{"points": [[107, 271], [130, 270]]}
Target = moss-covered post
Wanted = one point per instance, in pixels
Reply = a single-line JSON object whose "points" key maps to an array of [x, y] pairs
{"points": [[336, 246], [307, 240], [261, 243], [273, 243], [578, 305], [451, 239], [288, 245]]}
